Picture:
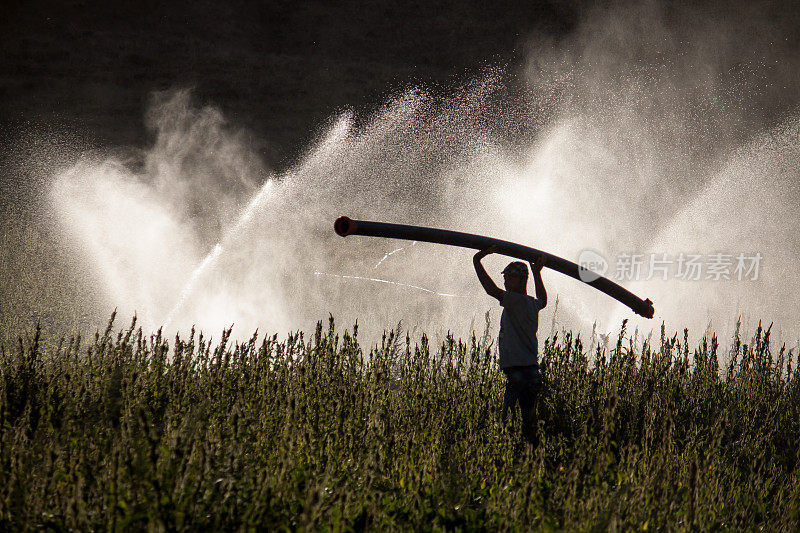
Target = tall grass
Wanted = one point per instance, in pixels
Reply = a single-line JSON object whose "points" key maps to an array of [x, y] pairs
{"points": [[129, 431]]}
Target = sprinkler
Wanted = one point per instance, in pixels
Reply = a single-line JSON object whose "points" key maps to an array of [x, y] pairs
{"points": [[345, 226]]}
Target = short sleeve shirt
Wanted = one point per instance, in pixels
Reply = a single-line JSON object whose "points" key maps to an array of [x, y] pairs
{"points": [[517, 344]]}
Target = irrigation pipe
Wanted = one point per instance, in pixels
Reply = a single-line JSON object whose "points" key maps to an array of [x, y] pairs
{"points": [[345, 226]]}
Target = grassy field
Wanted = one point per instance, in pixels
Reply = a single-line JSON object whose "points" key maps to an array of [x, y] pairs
{"points": [[129, 431]]}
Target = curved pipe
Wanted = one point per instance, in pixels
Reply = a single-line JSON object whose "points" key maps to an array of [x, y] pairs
{"points": [[345, 226]]}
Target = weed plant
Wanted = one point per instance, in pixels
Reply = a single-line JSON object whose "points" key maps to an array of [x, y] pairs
{"points": [[136, 432]]}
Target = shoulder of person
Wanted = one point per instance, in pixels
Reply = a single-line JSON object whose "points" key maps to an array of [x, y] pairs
{"points": [[537, 303], [527, 300], [515, 299]]}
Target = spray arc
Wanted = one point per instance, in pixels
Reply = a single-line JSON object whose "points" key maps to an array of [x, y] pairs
{"points": [[345, 226]]}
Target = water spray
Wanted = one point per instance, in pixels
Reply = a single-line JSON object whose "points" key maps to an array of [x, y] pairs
{"points": [[214, 254], [390, 282], [345, 226]]}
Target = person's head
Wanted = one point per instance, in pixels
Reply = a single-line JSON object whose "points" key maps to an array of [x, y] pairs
{"points": [[516, 277]]}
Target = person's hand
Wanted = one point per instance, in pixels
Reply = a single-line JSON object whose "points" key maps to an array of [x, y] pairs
{"points": [[537, 265], [483, 253]]}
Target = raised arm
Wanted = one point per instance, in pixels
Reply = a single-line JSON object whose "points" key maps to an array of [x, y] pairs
{"points": [[536, 269], [487, 282]]}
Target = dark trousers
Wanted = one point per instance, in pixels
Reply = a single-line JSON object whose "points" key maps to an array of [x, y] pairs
{"points": [[523, 384]]}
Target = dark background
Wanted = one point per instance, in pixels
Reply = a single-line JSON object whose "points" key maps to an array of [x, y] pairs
{"points": [[79, 75], [279, 69]]}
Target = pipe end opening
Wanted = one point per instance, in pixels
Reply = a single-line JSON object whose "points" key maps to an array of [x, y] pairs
{"points": [[646, 310], [344, 226]]}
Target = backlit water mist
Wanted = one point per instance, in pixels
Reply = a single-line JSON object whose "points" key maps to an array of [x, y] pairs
{"points": [[665, 146]]}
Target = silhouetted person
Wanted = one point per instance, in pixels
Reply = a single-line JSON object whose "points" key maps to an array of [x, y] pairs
{"points": [[517, 344]]}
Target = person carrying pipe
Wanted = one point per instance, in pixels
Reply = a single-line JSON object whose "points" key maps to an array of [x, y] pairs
{"points": [[517, 344]]}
